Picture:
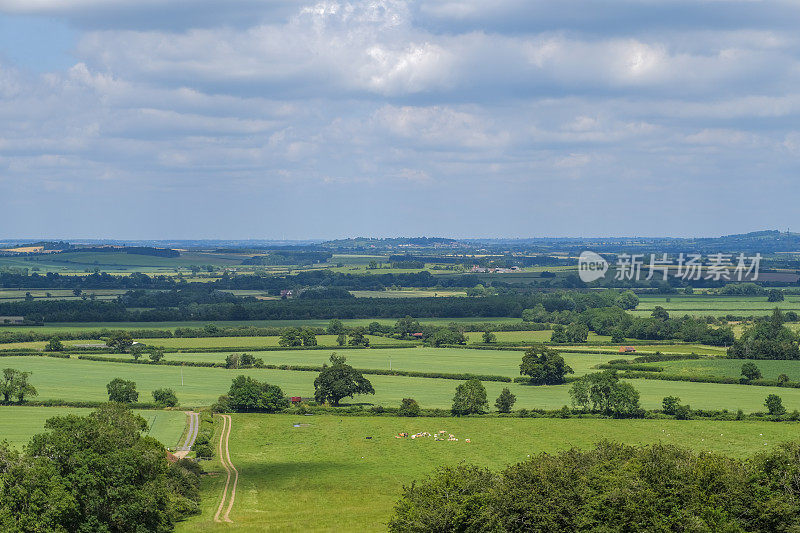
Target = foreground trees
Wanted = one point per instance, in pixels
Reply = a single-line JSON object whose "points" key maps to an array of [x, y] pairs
{"points": [[611, 488], [95, 473], [340, 380]]}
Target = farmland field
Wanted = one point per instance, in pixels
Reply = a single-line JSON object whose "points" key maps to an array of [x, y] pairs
{"points": [[730, 368], [702, 305], [314, 477], [74, 380], [422, 359], [244, 342], [19, 423], [320, 323]]}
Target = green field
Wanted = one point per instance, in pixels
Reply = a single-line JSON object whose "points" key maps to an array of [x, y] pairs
{"points": [[315, 477], [74, 380], [704, 305], [19, 424], [320, 323], [410, 293], [422, 359], [731, 368], [476, 337], [245, 342]]}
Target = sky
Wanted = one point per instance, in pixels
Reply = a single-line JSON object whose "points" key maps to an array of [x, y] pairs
{"points": [[170, 119]]}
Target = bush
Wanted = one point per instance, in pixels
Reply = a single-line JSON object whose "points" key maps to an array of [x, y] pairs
{"points": [[408, 407], [505, 401], [122, 391], [165, 397]]}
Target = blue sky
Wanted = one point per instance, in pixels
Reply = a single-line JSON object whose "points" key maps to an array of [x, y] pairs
{"points": [[513, 118]]}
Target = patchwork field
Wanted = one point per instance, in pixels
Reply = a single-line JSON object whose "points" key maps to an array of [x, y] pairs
{"points": [[315, 477], [19, 423]]}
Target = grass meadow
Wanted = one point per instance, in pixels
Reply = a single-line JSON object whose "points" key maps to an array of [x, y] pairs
{"points": [[76, 380], [19, 423], [315, 477]]}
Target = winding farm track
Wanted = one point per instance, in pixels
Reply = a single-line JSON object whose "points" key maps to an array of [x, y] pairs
{"points": [[191, 434], [225, 459]]}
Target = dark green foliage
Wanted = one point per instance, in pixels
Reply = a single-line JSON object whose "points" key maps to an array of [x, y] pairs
{"points": [[408, 407], [165, 397], [605, 393], [775, 295], [244, 360], [335, 327], [489, 337], [544, 366], [774, 405], [750, 371], [470, 398], [358, 337], [340, 380], [155, 354], [446, 336], [613, 488], [95, 473], [54, 345], [247, 394], [120, 341], [767, 340], [670, 404], [659, 313], [505, 401], [15, 384], [122, 391]]}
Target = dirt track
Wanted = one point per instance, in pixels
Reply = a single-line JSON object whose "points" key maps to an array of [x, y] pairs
{"points": [[225, 458], [191, 435]]}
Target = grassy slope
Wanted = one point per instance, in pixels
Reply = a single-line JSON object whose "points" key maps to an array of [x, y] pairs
{"points": [[83, 380], [18, 424], [328, 477]]}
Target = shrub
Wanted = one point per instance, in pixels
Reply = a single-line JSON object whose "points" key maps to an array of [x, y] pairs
{"points": [[408, 407], [165, 397]]}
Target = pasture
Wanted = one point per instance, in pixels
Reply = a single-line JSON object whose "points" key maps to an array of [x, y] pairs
{"points": [[714, 305], [730, 368], [315, 477], [19, 423], [75, 380], [318, 323]]}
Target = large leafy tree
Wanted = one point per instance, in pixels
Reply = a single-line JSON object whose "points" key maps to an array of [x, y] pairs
{"points": [[340, 380], [120, 341], [248, 394], [470, 398], [15, 384], [122, 391], [544, 366], [606, 393]]}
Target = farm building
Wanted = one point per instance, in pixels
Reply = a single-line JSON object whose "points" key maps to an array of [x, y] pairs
{"points": [[626, 349], [12, 320]]}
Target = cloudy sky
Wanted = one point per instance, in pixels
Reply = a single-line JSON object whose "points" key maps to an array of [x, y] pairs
{"points": [[293, 119]]}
